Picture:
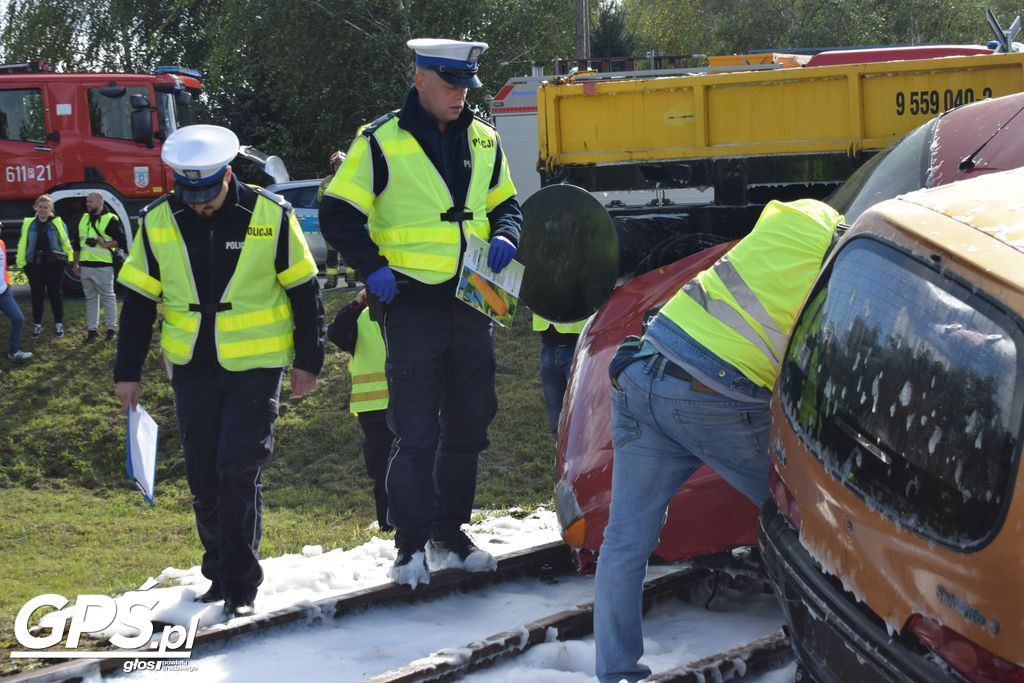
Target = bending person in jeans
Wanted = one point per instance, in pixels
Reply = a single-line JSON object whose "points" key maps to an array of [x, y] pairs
{"points": [[695, 391]]}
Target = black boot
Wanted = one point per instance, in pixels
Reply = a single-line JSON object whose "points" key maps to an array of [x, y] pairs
{"points": [[214, 594], [238, 607]]}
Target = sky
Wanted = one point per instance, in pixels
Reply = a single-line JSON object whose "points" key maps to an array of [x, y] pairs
{"points": [[379, 639]]}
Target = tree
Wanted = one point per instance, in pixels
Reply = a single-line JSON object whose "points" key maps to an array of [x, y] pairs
{"points": [[610, 36], [728, 26]]}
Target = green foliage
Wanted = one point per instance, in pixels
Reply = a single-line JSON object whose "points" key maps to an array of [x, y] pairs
{"points": [[293, 79], [609, 36], [736, 26]]}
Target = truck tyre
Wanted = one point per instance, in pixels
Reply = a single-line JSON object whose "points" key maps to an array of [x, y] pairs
{"points": [[71, 284]]}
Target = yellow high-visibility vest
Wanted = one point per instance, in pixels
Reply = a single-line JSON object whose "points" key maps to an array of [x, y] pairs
{"points": [[743, 308], [369, 384], [95, 254], [405, 220], [62, 236], [255, 329], [540, 324]]}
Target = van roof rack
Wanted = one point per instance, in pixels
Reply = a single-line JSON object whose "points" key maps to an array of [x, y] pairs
{"points": [[34, 66]]}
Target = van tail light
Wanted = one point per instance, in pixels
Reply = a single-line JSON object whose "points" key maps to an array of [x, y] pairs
{"points": [[575, 533], [788, 506], [976, 663]]}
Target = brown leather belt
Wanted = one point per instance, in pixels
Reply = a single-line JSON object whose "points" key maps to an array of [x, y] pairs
{"points": [[673, 370]]}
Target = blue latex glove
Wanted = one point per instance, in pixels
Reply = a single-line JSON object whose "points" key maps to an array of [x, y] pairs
{"points": [[502, 251], [382, 283]]}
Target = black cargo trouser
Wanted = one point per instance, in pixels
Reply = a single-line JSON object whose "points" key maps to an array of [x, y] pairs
{"points": [[377, 440], [227, 421], [440, 372]]}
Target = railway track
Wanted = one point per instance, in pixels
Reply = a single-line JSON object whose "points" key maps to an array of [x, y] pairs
{"points": [[546, 562]]}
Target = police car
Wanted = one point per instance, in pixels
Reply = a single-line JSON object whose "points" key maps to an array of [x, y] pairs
{"points": [[301, 194]]}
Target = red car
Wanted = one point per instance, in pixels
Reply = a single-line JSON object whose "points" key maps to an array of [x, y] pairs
{"points": [[707, 515]]}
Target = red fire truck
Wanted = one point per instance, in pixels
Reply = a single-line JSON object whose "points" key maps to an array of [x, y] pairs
{"points": [[69, 134]]}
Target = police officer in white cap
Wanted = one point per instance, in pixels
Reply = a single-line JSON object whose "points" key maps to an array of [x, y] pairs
{"points": [[446, 179], [240, 302]]}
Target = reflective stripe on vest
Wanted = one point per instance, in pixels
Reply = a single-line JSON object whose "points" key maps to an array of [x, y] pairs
{"points": [[369, 384], [743, 308], [95, 254], [405, 219], [256, 331], [540, 324], [748, 301]]}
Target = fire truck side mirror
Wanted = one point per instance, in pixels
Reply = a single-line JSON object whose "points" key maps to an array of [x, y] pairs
{"points": [[183, 98], [142, 122]]}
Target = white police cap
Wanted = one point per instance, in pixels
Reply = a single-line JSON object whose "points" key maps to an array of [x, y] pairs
{"points": [[199, 156], [454, 60]]}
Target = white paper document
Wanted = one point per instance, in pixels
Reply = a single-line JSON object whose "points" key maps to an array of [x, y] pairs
{"points": [[140, 452]]}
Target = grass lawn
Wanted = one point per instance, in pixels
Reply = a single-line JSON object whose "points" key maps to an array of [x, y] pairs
{"points": [[72, 524]]}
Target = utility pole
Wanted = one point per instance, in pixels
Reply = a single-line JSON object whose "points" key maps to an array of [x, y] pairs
{"points": [[582, 30]]}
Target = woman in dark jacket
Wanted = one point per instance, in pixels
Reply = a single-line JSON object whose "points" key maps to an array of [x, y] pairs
{"points": [[43, 250]]}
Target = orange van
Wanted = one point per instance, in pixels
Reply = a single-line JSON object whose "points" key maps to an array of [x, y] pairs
{"points": [[895, 536]]}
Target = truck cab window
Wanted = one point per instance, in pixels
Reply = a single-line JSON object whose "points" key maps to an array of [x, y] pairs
{"points": [[21, 115], [110, 117], [165, 112]]}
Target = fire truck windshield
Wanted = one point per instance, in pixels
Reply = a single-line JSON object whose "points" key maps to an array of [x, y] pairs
{"points": [[173, 115]]}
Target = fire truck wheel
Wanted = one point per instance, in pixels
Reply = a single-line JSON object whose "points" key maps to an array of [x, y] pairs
{"points": [[71, 285]]}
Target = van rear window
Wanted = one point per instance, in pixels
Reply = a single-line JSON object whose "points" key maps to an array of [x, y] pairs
{"points": [[903, 383]]}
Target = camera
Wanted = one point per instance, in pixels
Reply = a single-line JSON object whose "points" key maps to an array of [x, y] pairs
{"points": [[90, 241]]}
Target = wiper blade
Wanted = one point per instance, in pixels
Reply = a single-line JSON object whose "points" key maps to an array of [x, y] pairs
{"points": [[967, 162]]}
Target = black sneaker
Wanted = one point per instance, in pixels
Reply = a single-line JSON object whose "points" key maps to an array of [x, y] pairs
{"points": [[58, 330], [238, 607], [37, 330], [214, 594], [90, 337], [458, 551], [110, 335]]}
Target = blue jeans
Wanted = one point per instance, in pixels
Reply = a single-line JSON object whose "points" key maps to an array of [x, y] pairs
{"points": [[9, 307], [555, 363], [662, 431]]}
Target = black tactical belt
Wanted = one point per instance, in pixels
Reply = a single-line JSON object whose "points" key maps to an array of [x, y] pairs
{"points": [[454, 215], [209, 308]]}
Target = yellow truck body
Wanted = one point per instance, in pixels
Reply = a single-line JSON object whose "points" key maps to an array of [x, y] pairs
{"points": [[843, 109]]}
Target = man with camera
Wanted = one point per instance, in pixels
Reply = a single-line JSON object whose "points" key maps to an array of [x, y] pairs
{"points": [[95, 240]]}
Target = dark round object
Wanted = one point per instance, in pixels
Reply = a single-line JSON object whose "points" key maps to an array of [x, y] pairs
{"points": [[570, 252]]}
